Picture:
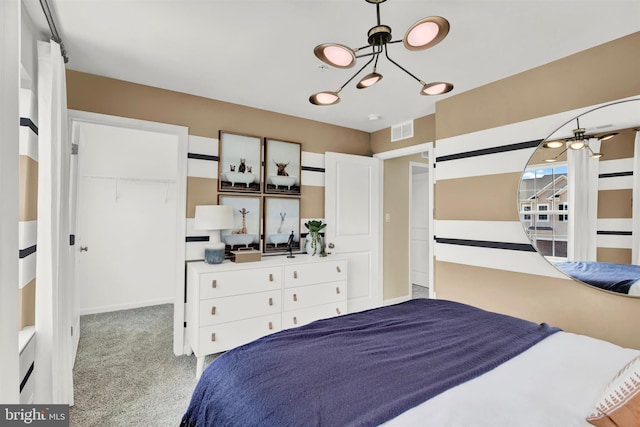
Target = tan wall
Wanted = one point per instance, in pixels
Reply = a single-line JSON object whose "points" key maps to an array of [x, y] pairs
{"points": [[396, 230], [28, 189], [424, 131], [206, 117], [573, 82]]}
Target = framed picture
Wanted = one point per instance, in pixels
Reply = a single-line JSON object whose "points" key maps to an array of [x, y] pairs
{"points": [[282, 167], [239, 163], [281, 224], [246, 230]]}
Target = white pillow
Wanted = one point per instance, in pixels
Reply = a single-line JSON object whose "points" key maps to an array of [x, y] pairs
{"points": [[619, 405]]}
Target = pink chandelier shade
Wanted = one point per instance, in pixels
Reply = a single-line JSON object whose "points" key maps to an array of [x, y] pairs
{"points": [[336, 55], [425, 33]]}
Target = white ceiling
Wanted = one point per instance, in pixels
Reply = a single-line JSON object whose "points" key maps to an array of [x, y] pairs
{"points": [[260, 52]]}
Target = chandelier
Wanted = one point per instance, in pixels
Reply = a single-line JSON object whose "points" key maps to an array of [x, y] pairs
{"points": [[424, 34], [579, 141]]}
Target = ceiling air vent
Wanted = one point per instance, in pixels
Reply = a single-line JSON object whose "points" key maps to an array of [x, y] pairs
{"points": [[402, 131]]}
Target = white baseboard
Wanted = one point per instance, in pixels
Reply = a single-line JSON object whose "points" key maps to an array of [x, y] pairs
{"points": [[396, 300], [108, 308]]}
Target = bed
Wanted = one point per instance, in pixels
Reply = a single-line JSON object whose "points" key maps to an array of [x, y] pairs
{"points": [[620, 278], [421, 362]]}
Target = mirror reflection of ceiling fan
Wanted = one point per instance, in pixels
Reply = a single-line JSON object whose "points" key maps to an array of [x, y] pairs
{"points": [[579, 141]]}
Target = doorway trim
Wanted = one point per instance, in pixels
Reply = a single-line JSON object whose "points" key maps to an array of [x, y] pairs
{"points": [[429, 170], [426, 147], [182, 132]]}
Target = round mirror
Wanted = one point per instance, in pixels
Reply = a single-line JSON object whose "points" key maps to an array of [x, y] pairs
{"points": [[576, 197]]}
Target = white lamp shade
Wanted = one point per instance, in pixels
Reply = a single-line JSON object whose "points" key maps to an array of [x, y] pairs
{"points": [[213, 217]]}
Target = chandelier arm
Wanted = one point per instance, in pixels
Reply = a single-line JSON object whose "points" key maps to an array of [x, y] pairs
{"points": [[367, 54], [401, 67], [357, 72]]}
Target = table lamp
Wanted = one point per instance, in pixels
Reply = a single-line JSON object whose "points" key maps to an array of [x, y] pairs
{"points": [[213, 218]]}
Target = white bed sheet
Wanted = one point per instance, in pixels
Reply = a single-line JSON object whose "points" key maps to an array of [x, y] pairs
{"points": [[556, 383], [635, 289]]}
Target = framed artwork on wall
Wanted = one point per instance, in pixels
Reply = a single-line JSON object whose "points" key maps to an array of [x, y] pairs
{"points": [[247, 216], [281, 224], [282, 167], [239, 163]]}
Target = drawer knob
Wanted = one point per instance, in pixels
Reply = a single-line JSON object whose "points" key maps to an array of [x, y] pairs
{"points": [[338, 268], [271, 277], [214, 284], [337, 290], [295, 297], [270, 325], [295, 274], [213, 336], [213, 310], [338, 310], [295, 320], [270, 301]]}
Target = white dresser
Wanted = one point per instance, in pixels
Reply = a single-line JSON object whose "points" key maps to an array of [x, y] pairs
{"points": [[231, 304]]}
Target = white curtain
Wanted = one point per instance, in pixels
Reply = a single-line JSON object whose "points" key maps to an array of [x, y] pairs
{"points": [[635, 249], [583, 203], [52, 370]]}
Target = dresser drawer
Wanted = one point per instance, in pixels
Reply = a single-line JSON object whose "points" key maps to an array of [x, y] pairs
{"points": [[228, 309], [223, 337], [310, 295], [303, 316], [227, 283], [317, 272]]}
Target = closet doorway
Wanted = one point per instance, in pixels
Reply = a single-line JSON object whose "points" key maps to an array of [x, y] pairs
{"points": [[129, 216]]}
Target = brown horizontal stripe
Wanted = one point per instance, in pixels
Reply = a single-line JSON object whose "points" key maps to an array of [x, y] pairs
{"points": [[28, 193], [551, 88], [615, 255], [480, 198], [568, 304], [204, 116], [27, 304], [615, 203], [620, 146], [200, 191], [312, 202]]}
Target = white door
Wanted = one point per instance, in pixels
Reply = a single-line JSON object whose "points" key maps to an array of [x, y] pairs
{"points": [[419, 224], [352, 212]]}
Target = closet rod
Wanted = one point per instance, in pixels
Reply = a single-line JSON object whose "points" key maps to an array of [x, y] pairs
{"points": [[55, 36]]}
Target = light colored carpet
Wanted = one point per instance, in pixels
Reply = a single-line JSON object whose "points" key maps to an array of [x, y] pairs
{"points": [[419, 291], [125, 372]]}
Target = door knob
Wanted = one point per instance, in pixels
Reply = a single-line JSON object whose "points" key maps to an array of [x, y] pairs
{"points": [[331, 245], [84, 248]]}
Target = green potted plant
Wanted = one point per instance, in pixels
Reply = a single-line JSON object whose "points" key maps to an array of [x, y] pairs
{"points": [[313, 242]]}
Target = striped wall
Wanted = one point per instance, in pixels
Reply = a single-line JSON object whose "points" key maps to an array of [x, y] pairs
{"points": [[27, 233], [615, 191], [202, 188], [28, 193], [482, 254]]}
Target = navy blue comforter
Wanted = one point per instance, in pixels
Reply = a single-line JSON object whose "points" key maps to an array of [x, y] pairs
{"points": [[610, 276], [360, 369]]}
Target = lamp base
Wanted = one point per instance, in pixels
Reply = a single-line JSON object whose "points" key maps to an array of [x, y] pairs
{"points": [[214, 254]]}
